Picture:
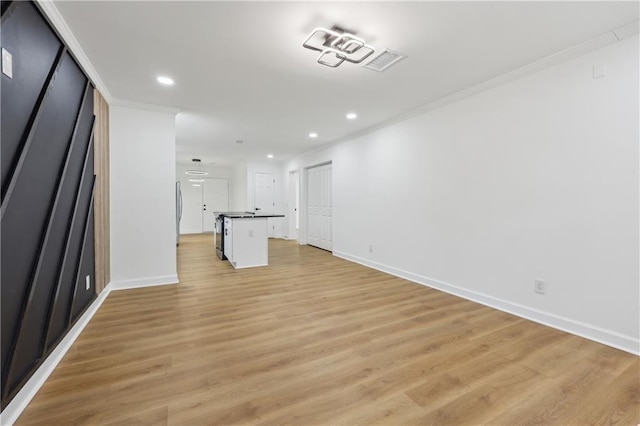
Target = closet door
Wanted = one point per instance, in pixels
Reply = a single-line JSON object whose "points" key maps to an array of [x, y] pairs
{"points": [[320, 207]]}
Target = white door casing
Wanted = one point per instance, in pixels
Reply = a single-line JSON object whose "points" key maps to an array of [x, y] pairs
{"points": [[320, 207], [215, 198], [294, 204], [263, 197]]}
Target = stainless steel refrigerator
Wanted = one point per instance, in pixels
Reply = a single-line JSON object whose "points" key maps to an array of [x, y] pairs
{"points": [[178, 211]]}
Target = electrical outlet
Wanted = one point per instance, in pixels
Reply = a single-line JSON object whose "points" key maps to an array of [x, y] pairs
{"points": [[370, 248], [87, 282], [538, 286]]}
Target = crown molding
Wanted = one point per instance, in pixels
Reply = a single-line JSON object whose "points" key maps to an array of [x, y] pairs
{"points": [[60, 25], [627, 31], [147, 107], [54, 16], [621, 33], [546, 62]]}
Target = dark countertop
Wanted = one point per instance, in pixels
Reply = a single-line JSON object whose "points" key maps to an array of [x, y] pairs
{"points": [[245, 215]]}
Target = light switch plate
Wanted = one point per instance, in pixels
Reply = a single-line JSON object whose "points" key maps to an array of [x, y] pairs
{"points": [[599, 70], [7, 63]]}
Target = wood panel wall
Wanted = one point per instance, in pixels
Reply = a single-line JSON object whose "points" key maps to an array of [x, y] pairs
{"points": [[101, 204]]}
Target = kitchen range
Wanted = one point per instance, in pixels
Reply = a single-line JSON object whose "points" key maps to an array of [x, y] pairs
{"points": [[242, 239]]}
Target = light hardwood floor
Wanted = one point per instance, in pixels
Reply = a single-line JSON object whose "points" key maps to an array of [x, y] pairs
{"points": [[316, 340]]}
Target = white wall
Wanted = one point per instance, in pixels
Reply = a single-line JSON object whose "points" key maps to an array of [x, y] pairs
{"points": [[537, 178], [238, 193], [143, 209], [191, 221]]}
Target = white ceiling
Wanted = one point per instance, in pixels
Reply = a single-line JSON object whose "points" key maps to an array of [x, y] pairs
{"points": [[241, 71]]}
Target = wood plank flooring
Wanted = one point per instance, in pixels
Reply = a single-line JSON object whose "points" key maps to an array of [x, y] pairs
{"points": [[316, 340]]}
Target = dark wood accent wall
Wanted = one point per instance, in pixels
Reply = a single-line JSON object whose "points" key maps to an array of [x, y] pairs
{"points": [[47, 238]]}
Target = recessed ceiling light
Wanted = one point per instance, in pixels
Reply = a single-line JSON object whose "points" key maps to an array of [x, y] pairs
{"points": [[165, 80], [196, 180], [352, 116], [196, 184], [269, 155], [313, 135]]}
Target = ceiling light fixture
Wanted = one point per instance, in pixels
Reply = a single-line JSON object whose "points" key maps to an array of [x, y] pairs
{"points": [[196, 184], [198, 170], [269, 155], [165, 80], [352, 116], [337, 46], [313, 135], [196, 180]]}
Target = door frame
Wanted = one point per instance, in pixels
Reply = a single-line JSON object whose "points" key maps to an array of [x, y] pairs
{"points": [[294, 205]]}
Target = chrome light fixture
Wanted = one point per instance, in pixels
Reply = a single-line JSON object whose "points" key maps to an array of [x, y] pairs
{"points": [[337, 46], [198, 170]]}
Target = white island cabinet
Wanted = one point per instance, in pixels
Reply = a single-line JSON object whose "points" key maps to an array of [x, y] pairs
{"points": [[246, 241]]}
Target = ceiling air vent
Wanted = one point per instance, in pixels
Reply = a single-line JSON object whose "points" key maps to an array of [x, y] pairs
{"points": [[384, 60]]}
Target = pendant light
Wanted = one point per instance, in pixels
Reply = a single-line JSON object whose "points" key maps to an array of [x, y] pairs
{"points": [[197, 170]]}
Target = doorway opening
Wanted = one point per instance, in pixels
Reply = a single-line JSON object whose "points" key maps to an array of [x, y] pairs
{"points": [[200, 199]]}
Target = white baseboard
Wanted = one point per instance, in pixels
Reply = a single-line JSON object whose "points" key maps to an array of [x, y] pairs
{"points": [[12, 411], [144, 282], [588, 331]]}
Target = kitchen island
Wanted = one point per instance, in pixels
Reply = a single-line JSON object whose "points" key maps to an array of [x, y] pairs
{"points": [[242, 238]]}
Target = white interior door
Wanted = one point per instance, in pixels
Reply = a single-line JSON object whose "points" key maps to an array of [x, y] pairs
{"points": [[191, 221], [263, 198], [320, 207], [215, 198]]}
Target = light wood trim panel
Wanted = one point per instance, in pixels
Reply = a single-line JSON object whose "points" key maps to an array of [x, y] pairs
{"points": [[316, 340], [101, 196]]}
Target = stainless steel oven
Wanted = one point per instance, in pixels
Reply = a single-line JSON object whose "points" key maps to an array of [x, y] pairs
{"points": [[218, 233]]}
